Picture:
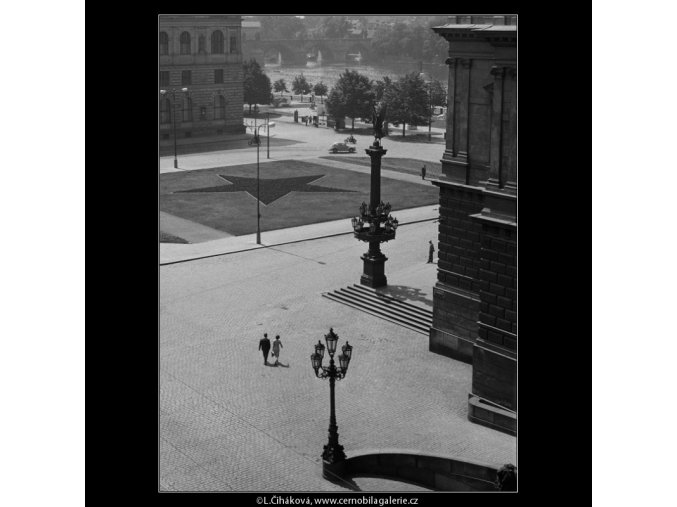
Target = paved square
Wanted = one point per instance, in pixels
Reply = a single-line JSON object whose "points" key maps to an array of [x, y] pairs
{"points": [[228, 422]]}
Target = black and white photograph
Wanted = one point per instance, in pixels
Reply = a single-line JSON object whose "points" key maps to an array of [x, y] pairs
{"points": [[338, 253]]}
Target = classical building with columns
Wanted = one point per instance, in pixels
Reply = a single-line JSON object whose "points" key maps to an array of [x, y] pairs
{"points": [[202, 53], [475, 296]]}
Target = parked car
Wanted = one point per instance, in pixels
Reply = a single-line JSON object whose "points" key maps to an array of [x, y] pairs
{"points": [[281, 102], [342, 148]]}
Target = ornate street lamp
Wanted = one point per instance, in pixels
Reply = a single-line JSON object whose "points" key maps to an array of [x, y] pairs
{"points": [[333, 457], [374, 224], [173, 113]]}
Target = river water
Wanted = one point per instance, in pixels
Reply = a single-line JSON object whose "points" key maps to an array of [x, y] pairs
{"points": [[330, 73]]}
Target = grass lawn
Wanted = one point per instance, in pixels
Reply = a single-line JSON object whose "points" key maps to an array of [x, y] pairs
{"points": [[235, 212], [402, 165]]}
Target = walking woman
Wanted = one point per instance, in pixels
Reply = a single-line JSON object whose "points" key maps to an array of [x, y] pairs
{"points": [[277, 345]]}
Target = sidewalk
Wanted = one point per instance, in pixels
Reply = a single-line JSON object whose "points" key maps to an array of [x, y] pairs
{"points": [[171, 253]]}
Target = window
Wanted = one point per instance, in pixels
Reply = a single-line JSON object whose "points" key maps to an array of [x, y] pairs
{"points": [[201, 44], [233, 44], [187, 109], [165, 111], [164, 78], [219, 108], [217, 42], [218, 75], [186, 77], [185, 43], [164, 43], [188, 134]]}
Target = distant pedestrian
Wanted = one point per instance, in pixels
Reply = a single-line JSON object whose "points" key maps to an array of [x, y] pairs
{"points": [[423, 172], [431, 250], [264, 346], [277, 345]]}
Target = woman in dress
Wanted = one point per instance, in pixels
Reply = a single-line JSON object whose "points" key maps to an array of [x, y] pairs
{"points": [[277, 345]]}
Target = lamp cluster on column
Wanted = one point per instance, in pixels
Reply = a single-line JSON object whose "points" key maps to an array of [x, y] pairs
{"points": [[367, 225]]}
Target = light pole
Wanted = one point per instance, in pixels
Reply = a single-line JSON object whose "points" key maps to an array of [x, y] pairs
{"points": [[333, 457], [429, 81], [430, 107], [173, 113], [257, 142], [268, 134]]}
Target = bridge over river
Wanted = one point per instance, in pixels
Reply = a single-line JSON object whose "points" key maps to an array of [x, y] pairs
{"points": [[300, 51]]}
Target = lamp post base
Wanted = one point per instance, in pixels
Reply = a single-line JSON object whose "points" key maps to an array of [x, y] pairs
{"points": [[333, 460], [176, 164], [374, 271]]}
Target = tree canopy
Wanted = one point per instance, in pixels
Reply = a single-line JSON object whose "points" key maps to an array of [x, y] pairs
{"points": [[282, 27], [256, 84], [354, 95], [335, 27], [301, 84], [280, 85], [408, 101], [414, 40], [320, 89]]}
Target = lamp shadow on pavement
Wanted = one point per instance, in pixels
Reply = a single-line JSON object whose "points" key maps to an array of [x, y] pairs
{"points": [[346, 482], [406, 293]]}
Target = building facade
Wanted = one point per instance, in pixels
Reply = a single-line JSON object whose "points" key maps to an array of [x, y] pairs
{"points": [[203, 55], [475, 296]]}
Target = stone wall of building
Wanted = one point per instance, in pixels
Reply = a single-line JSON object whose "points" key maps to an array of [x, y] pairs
{"points": [[475, 297], [204, 90]]}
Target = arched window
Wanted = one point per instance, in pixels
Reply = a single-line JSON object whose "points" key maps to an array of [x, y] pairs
{"points": [[217, 42], [219, 108], [164, 43], [187, 109], [185, 43], [165, 111]]}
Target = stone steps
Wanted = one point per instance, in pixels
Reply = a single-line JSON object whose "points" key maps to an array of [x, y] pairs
{"points": [[384, 306]]}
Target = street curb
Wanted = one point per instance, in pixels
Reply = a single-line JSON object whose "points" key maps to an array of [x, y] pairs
{"points": [[279, 244]]}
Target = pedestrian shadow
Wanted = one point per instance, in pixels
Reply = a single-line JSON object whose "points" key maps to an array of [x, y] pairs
{"points": [[276, 365]]}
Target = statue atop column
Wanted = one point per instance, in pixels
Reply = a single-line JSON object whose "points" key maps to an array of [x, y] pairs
{"points": [[378, 122]]}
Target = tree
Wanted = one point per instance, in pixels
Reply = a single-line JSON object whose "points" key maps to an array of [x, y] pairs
{"points": [[335, 104], [408, 101], [320, 89], [256, 84], [438, 93], [335, 27], [280, 85], [282, 27], [355, 90], [380, 87], [300, 85]]}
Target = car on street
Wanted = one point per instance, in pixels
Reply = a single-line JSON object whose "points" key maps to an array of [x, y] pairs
{"points": [[342, 148], [281, 102]]}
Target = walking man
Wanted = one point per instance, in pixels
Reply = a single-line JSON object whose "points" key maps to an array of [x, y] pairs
{"points": [[423, 172], [264, 346], [431, 250]]}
